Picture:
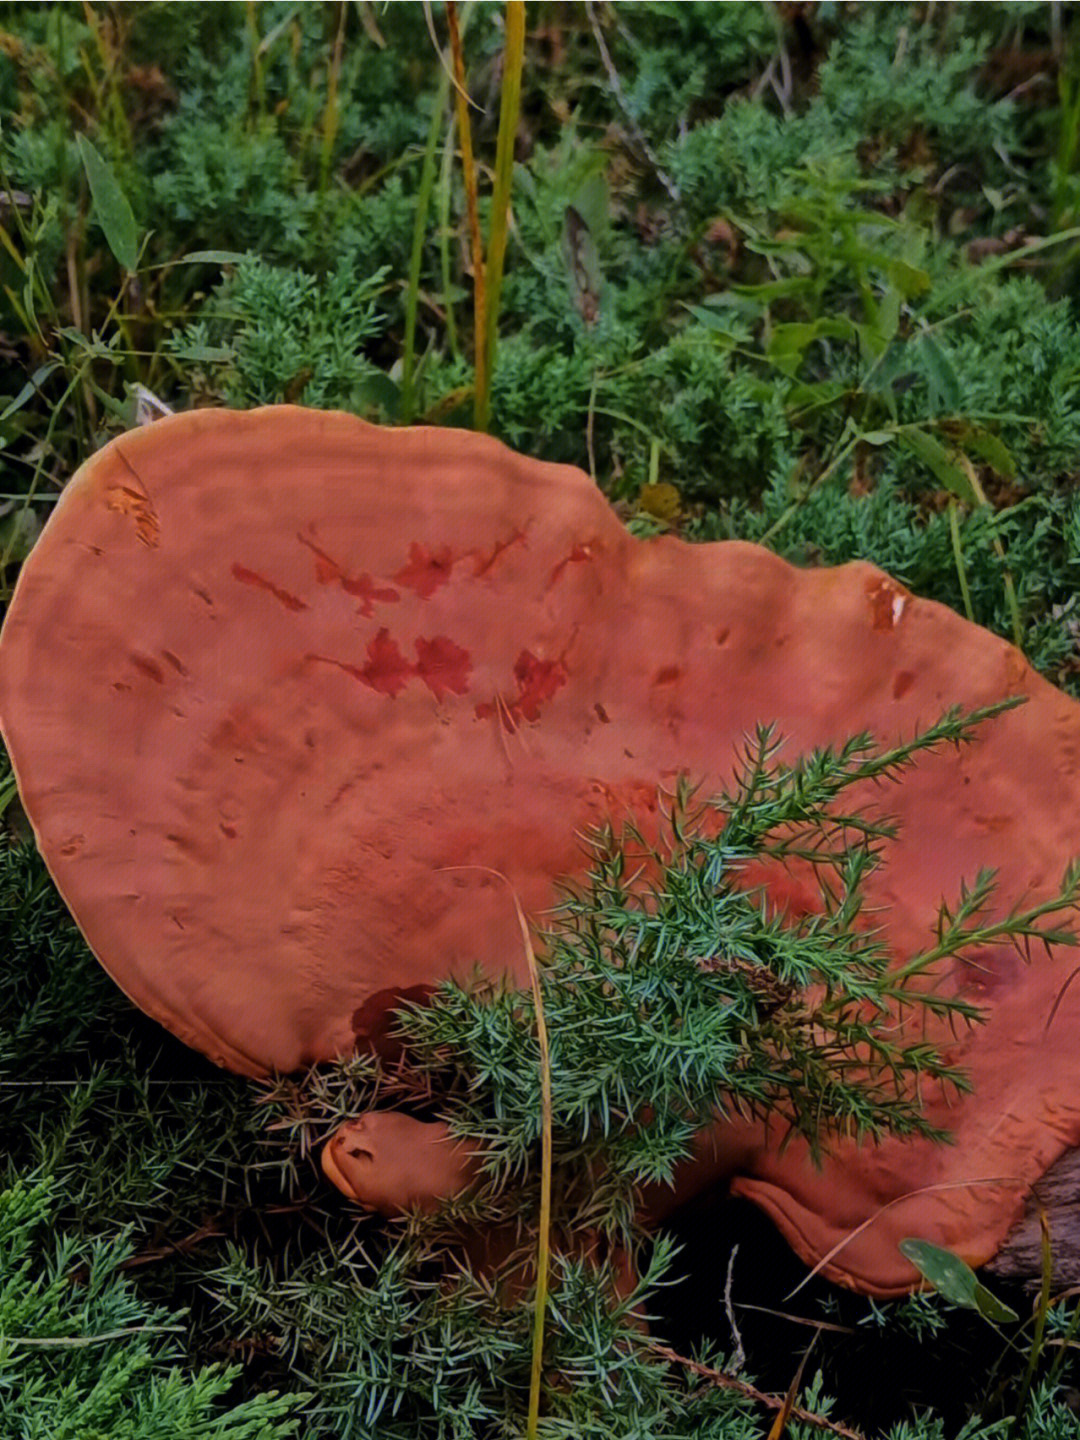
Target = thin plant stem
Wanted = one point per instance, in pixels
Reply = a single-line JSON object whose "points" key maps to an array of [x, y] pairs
{"points": [[796, 505], [412, 294], [590, 428], [999, 549], [992, 933], [1064, 1341], [8, 792], [445, 186], [543, 1243], [1010, 597], [509, 111], [59, 409], [1042, 1309], [958, 556], [468, 169], [616, 87], [332, 113], [740, 1387], [114, 99], [257, 92]]}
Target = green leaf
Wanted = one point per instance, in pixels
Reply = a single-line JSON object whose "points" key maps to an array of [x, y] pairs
{"points": [[715, 323], [111, 207], [816, 393], [945, 388], [776, 289], [993, 1309], [31, 387], [797, 335], [788, 341], [993, 450], [583, 264], [379, 389], [592, 201], [18, 534], [887, 324], [950, 1276], [92, 345], [955, 1280], [212, 257], [937, 460], [876, 437], [205, 354], [746, 305], [908, 279]]}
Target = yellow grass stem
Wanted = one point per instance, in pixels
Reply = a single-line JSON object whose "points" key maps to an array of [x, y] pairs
{"points": [[509, 111], [958, 558], [1042, 1309]]}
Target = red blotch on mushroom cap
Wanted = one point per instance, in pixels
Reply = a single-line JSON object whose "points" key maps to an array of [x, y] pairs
{"points": [[443, 666], [257, 803]]}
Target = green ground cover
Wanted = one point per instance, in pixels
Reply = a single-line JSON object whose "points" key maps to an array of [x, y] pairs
{"points": [[801, 274]]}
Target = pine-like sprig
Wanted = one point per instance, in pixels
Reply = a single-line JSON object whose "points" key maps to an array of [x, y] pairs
{"points": [[673, 992]]}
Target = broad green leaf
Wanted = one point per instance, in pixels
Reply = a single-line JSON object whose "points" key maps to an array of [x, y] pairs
{"points": [[377, 388], [945, 388], [955, 1280], [583, 264], [788, 341], [993, 450], [799, 334], [908, 279], [111, 207], [592, 201], [204, 354], [949, 1275], [815, 393], [776, 289], [730, 300], [888, 320], [993, 1309], [109, 402], [716, 323], [873, 337], [19, 533], [937, 460]]}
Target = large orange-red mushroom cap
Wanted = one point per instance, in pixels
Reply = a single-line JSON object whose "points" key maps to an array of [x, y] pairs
{"points": [[270, 680]]}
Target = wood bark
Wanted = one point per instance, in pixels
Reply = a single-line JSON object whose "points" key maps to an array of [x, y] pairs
{"points": [[1057, 1198]]}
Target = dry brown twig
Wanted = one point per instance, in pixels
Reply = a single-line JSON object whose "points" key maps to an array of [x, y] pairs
{"points": [[771, 1402]]}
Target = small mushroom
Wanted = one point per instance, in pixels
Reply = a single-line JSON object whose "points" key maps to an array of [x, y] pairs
{"points": [[282, 688], [393, 1163]]}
